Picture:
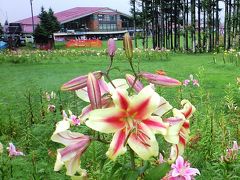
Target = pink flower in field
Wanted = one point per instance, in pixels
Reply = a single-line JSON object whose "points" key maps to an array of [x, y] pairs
{"points": [[182, 170], [195, 82], [13, 152], [191, 79], [231, 153], [186, 82], [51, 108], [73, 119], [161, 159]]}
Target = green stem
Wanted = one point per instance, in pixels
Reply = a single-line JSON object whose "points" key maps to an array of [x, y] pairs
{"points": [[131, 64], [110, 65], [132, 159], [109, 79]]}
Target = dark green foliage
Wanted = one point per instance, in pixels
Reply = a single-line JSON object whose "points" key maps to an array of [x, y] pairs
{"points": [[48, 25], [1, 29]]}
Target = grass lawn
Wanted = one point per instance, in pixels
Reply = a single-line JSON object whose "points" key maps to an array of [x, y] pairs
{"points": [[23, 79]]}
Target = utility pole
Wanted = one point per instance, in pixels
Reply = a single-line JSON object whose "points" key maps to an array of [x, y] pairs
{"points": [[32, 15]]}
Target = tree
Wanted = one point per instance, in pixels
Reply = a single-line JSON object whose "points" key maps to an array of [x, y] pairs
{"points": [[48, 25], [1, 29]]}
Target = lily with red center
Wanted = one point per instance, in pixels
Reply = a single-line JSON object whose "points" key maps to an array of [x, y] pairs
{"points": [[178, 132], [132, 122]]}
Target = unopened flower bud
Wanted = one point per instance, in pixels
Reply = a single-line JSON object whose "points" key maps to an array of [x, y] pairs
{"points": [[132, 81], [79, 82], [127, 45], [111, 47], [94, 92], [160, 79]]}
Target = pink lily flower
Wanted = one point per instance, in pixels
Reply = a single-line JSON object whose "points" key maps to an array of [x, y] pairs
{"points": [[111, 47], [182, 170], [195, 82], [160, 79], [73, 119], [75, 143], [186, 82], [132, 122], [231, 153], [13, 152], [161, 159]]}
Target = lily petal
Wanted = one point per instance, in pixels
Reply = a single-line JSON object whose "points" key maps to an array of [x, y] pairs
{"points": [[163, 107], [68, 138], [106, 120], [120, 98], [156, 124], [188, 108], [117, 145], [119, 84], [83, 94], [143, 142], [144, 104]]}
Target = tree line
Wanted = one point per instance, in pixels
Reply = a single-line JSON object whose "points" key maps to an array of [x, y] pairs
{"points": [[188, 25]]}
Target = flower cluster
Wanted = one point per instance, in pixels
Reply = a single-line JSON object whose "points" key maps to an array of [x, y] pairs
{"points": [[231, 153], [191, 79], [12, 151], [126, 108]]}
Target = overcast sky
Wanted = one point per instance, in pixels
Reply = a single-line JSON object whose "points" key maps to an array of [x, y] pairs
{"points": [[14, 10]]}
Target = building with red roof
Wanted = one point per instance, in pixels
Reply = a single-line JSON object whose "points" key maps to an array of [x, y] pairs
{"points": [[93, 20]]}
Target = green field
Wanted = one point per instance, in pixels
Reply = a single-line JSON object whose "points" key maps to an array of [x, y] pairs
{"points": [[26, 122]]}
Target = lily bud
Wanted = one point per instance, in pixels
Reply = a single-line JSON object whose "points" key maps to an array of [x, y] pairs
{"points": [[94, 92], [111, 47], [127, 45], [79, 82], [136, 84], [160, 79]]}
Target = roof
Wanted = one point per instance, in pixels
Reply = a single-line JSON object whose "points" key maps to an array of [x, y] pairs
{"points": [[71, 14]]}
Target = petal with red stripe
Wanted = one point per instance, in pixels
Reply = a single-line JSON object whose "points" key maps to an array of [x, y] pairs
{"points": [[156, 124], [144, 104], [143, 142], [117, 145], [107, 120]]}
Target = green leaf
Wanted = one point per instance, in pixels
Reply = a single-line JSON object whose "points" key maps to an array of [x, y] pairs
{"points": [[158, 172], [130, 175], [115, 168]]}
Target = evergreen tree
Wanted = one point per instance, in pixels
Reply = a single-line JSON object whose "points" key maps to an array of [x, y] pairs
{"points": [[48, 25], [1, 29]]}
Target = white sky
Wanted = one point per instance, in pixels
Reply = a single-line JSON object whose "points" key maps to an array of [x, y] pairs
{"points": [[14, 10]]}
